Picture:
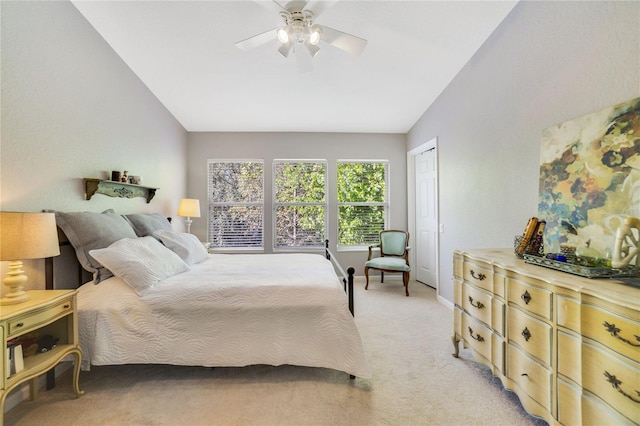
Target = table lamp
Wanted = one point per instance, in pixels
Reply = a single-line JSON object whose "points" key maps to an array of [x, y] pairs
{"points": [[189, 207], [25, 236]]}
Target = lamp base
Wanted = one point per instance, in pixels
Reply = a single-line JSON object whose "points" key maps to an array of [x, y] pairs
{"points": [[15, 280], [15, 298]]}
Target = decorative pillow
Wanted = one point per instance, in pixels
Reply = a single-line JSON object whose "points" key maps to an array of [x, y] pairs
{"points": [[187, 246], [146, 224], [89, 231], [140, 262]]}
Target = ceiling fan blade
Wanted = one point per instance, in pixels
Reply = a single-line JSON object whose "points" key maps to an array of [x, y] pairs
{"points": [[257, 40], [303, 59], [347, 42], [318, 7], [271, 6]]}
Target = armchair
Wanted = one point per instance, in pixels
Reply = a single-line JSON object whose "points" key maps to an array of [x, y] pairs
{"points": [[394, 257]]}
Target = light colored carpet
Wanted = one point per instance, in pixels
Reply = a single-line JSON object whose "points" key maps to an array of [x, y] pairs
{"points": [[415, 381]]}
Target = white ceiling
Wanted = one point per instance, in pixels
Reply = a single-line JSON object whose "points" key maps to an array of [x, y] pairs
{"points": [[184, 51]]}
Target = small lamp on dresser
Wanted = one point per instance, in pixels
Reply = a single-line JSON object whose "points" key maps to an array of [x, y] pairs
{"points": [[25, 236], [189, 207]]}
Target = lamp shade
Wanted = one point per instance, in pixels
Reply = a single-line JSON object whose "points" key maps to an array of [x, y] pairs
{"points": [[189, 207], [28, 236]]}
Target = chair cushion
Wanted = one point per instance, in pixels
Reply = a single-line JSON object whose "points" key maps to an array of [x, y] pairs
{"points": [[390, 263]]}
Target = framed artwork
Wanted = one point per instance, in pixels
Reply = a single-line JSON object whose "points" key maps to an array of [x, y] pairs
{"points": [[590, 177]]}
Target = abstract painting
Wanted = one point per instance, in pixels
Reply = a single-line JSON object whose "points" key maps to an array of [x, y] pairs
{"points": [[590, 177]]}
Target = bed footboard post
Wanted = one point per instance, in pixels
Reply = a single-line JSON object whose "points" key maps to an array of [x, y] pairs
{"points": [[351, 271]]}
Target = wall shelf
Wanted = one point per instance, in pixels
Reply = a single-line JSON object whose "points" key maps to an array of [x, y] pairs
{"points": [[117, 189]]}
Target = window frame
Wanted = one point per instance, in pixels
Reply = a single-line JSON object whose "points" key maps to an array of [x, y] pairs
{"points": [[385, 204], [275, 204], [211, 204]]}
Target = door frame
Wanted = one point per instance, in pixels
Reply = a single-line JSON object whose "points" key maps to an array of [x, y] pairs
{"points": [[411, 203]]}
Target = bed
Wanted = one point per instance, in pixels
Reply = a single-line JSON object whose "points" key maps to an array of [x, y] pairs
{"points": [[157, 297]]}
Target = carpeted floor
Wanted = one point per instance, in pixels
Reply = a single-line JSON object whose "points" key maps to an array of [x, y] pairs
{"points": [[415, 381]]}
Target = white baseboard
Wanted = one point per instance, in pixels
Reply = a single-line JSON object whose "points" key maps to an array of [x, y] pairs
{"points": [[445, 302], [21, 393]]}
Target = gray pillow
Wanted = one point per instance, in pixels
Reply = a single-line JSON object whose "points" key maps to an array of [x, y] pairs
{"points": [[147, 224], [89, 231]]}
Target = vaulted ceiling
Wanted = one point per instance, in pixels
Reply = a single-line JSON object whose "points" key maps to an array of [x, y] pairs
{"points": [[185, 53]]}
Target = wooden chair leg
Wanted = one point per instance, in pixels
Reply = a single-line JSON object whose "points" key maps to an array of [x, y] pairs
{"points": [[405, 278], [381, 276], [366, 276]]}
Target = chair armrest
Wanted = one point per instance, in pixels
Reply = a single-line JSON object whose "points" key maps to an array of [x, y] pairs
{"points": [[371, 247]]}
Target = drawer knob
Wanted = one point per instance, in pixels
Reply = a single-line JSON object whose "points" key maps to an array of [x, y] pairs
{"points": [[615, 382], [613, 330], [479, 276], [477, 337], [526, 297], [20, 324], [526, 334], [67, 306], [478, 305]]}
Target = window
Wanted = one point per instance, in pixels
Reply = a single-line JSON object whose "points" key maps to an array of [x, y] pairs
{"points": [[362, 202], [299, 203], [236, 204]]}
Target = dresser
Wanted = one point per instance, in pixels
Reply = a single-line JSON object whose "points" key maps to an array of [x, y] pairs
{"points": [[47, 312], [568, 346]]}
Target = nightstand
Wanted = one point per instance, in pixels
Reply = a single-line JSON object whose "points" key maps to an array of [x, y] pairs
{"points": [[47, 312]]}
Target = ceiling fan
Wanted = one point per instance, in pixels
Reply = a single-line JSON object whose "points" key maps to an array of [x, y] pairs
{"points": [[300, 34]]}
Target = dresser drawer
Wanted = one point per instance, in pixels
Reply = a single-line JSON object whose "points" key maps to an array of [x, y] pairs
{"points": [[477, 303], [533, 378], [477, 336], [35, 319], [530, 298], [568, 314], [479, 274], [532, 335], [613, 379], [569, 412], [570, 357], [618, 333]]}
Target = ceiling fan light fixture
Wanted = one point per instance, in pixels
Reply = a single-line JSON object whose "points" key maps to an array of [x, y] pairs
{"points": [[283, 35], [315, 36]]}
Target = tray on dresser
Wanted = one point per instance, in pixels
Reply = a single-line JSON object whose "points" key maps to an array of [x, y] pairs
{"points": [[583, 271]]}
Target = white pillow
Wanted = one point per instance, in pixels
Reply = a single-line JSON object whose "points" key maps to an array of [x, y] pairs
{"points": [[140, 262], [187, 246]]}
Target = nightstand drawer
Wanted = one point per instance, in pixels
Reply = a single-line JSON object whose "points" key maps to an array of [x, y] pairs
{"points": [[35, 319], [532, 335]]}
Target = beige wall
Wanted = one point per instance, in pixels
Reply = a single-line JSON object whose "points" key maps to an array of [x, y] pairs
{"points": [[71, 108], [328, 146], [547, 62]]}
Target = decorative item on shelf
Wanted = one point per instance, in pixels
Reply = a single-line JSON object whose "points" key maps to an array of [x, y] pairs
{"points": [[25, 236], [189, 207], [115, 176], [125, 177]]}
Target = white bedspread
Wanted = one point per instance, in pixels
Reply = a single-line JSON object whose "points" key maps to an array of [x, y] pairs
{"points": [[230, 310]]}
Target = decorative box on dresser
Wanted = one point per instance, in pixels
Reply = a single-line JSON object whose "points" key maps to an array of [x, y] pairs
{"points": [[48, 312], [568, 346]]}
